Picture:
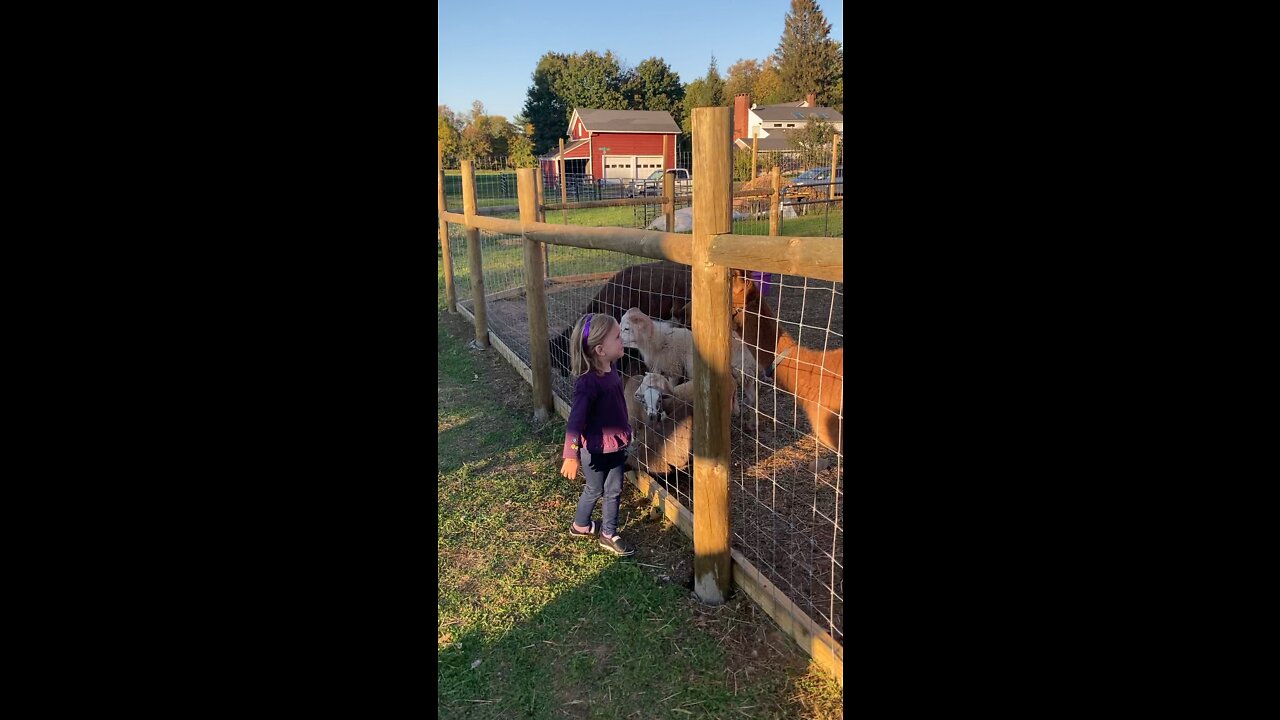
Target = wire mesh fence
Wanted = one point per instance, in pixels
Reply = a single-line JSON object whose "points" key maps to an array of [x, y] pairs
{"points": [[787, 486], [787, 492], [787, 502]]}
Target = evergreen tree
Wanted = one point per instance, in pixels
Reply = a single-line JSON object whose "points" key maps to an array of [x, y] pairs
{"points": [[808, 59], [703, 92], [543, 106]]}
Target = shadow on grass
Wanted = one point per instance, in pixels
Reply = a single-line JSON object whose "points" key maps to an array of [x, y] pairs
{"points": [[623, 643]]}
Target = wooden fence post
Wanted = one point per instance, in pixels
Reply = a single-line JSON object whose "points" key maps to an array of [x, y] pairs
{"points": [[536, 298], [755, 146], [542, 217], [669, 199], [473, 250], [450, 295], [564, 185], [835, 149], [775, 203], [712, 203]]}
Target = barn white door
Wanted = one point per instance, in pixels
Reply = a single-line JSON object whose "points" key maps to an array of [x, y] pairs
{"points": [[646, 164], [620, 166]]}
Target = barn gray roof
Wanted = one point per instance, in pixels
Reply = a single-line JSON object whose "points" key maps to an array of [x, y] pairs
{"points": [[779, 113], [778, 140], [658, 121]]}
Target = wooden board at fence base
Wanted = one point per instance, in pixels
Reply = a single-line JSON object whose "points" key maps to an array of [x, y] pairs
{"points": [[672, 509], [818, 643]]}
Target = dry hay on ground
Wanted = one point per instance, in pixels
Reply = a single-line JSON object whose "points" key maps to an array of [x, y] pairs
{"points": [[756, 205]]}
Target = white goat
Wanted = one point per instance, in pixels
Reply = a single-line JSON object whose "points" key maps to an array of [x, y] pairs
{"points": [[668, 349], [662, 432]]}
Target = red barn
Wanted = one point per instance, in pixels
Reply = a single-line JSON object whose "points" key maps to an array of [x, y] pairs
{"points": [[615, 144]]}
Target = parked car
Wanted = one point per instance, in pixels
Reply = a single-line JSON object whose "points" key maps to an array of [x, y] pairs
{"points": [[819, 176], [652, 185]]}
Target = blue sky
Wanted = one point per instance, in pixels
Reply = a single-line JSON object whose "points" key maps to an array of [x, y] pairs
{"points": [[488, 50]]}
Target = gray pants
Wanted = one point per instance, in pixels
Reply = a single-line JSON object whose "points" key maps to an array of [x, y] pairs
{"points": [[604, 477]]}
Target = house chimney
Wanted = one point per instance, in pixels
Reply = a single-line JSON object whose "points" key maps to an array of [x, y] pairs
{"points": [[811, 100], [740, 103]]}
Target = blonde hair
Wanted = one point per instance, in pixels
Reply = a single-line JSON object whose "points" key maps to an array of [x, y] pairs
{"points": [[601, 324]]}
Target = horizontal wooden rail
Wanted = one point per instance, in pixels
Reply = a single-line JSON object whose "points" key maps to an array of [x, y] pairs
{"points": [[753, 193], [497, 209], [498, 225], [654, 244], [815, 257]]}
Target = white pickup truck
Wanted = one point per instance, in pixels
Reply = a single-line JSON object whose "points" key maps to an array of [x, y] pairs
{"points": [[652, 185]]}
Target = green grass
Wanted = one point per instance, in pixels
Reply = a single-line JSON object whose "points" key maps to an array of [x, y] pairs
{"points": [[535, 624]]}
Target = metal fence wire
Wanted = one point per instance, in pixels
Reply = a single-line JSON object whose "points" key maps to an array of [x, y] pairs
{"points": [[787, 491]]}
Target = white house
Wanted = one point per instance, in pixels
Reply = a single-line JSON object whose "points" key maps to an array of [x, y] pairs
{"points": [[774, 124]]}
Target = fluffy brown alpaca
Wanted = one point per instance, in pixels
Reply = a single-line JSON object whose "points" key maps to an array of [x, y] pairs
{"points": [[815, 377]]}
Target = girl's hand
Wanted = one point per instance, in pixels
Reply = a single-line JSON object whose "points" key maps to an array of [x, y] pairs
{"points": [[570, 468]]}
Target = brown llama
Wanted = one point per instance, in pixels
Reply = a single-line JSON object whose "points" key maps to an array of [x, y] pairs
{"points": [[815, 377]]}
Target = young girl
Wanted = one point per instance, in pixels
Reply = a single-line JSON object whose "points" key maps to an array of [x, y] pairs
{"points": [[598, 427]]}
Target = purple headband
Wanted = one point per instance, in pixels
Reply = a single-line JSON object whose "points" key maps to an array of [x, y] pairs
{"points": [[586, 329]]}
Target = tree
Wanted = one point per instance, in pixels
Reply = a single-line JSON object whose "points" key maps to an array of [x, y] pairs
{"points": [[448, 137], [500, 132], [703, 92], [813, 140], [836, 98], [768, 89], [455, 120], [742, 78], [476, 142], [591, 80], [477, 111], [808, 59], [653, 85], [543, 106], [520, 153]]}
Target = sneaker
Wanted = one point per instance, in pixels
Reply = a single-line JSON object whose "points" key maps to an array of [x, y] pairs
{"points": [[617, 545], [591, 531]]}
